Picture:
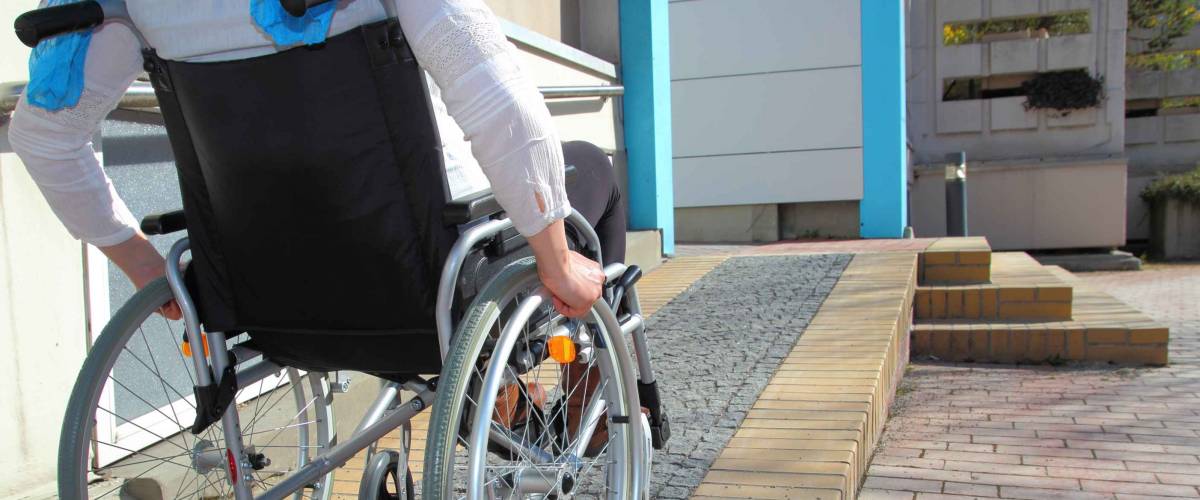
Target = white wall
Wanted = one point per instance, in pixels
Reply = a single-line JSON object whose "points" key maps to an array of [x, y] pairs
{"points": [[42, 325], [1001, 129], [766, 101], [1034, 205], [542, 16], [591, 119]]}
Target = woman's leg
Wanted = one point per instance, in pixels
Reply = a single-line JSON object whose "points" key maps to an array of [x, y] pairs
{"points": [[593, 192]]}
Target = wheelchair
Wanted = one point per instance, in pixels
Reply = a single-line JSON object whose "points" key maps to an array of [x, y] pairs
{"points": [[374, 270]]}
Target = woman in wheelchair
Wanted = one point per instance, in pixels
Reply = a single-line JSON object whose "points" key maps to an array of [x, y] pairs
{"points": [[333, 190]]}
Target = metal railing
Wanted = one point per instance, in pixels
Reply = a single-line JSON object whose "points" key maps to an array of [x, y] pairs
{"points": [[141, 95]]}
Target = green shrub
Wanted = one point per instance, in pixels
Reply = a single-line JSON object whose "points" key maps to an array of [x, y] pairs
{"points": [[1063, 90], [1184, 186]]}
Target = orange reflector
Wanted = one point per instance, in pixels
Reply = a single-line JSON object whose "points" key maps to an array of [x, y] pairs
{"points": [[187, 346], [562, 349]]}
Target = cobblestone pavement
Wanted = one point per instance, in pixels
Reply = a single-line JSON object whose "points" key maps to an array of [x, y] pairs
{"points": [[1077, 432], [716, 346]]}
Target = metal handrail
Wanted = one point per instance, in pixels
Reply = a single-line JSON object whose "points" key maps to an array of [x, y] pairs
{"points": [[141, 95], [582, 91]]}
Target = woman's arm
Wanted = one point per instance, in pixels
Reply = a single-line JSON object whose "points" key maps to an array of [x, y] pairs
{"points": [[460, 43], [56, 148]]}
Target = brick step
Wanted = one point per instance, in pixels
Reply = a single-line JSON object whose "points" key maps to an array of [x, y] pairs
{"points": [[1040, 342], [955, 261], [994, 303], [1103, 329], [1021, 289]]}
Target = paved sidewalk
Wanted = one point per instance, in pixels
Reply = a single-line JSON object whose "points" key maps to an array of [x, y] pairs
{"points": [[1090, 432]]}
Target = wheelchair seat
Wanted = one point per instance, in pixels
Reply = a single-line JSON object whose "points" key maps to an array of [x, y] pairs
{"points": [[316, 201]]}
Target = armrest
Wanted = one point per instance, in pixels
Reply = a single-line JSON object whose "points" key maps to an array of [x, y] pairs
{"points": [[472, 207], [164, 223], [479, 205]]}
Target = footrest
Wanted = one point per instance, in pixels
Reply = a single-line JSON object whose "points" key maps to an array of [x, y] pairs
{"points": [[660, 432], [660, 424]]}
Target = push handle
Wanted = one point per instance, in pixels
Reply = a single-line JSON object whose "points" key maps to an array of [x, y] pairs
{"points": [[299, 7], [37, 25]]}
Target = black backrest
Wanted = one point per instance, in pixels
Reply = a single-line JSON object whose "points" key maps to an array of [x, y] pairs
{"points": [[314, 188]]}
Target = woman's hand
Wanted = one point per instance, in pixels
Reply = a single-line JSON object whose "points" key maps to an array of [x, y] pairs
{"points": [[575, 281], [138, 259], [575, 288]]}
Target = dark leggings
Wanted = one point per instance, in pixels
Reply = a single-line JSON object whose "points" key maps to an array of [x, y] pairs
{"points": [[593, 192]]}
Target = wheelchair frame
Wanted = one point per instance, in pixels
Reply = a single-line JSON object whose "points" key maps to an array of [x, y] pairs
{"points": [[388, 412]]}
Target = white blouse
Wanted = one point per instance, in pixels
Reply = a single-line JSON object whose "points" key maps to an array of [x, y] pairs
{"points": [[500, 124]]}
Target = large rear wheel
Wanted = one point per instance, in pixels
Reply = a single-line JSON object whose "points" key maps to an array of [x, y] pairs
{"points": [[126, 430], [519, 417]]}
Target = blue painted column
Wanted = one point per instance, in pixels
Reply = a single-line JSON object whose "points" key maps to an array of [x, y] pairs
{"points": [[646, 74], [883, 211]]}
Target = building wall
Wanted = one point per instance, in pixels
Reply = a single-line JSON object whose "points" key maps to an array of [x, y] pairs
{"points": [[766, 107], [1001, 129], [591, 119], [1030, 205], [542, 16], [42, 320], [769, 106], [1012, 152], [1160, 144]]}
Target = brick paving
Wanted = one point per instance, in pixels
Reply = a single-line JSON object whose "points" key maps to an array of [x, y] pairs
{"points": [[1072, 432]]}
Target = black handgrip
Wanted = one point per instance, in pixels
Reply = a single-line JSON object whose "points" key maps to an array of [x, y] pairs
{"points": [[299, 7], [632, 274], [164, 223], [37, 25]]}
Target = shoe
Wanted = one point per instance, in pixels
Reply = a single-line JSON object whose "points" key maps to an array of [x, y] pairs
{"points": [[513, 404], [573, 408], [521, 412]]}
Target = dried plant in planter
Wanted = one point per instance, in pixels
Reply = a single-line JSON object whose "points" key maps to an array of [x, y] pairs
{"points": [[1064, 91]]}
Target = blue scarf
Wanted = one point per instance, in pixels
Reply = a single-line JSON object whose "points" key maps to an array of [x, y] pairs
{"points": [[56, 68], [288, 30], [56, 64]]}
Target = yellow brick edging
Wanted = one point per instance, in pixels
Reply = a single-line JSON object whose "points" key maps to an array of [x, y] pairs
{"points": [[955, 261], [813, 428]]}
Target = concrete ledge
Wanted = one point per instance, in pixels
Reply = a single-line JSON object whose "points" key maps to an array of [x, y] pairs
{"points": [[644, 249], [1114, 260], [812, 430]]}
